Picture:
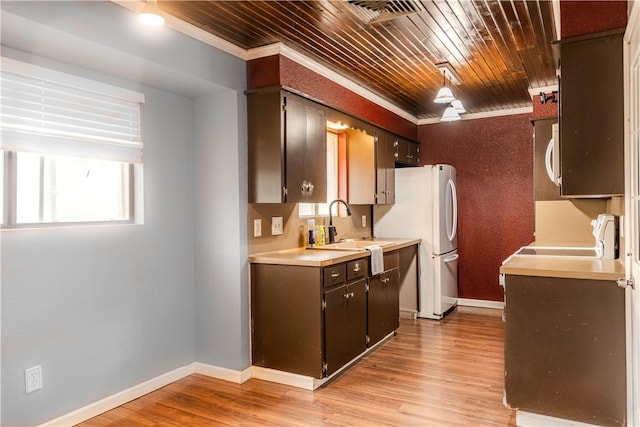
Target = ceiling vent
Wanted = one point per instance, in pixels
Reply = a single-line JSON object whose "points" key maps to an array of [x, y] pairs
{"points": [[372, 11]]}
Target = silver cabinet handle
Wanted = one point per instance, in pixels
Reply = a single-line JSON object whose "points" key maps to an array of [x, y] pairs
{"points": [[349, 295], [306, 187], [334, 275], [385, 280], [356, 268]]}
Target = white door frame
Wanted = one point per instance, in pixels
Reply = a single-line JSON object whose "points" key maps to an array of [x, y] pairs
{"points": [[632, 208]]}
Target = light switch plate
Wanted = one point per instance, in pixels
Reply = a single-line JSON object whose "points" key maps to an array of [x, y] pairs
{"points": [[276, 225], [257, 227], [364, 221]]}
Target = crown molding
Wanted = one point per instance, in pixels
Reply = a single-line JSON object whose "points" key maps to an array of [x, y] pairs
{"points": [[483, 115], [534, 91]]}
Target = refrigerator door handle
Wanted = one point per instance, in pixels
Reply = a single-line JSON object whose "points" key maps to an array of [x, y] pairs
{"points": [[548, 160], [451, 258], [454, 211]]}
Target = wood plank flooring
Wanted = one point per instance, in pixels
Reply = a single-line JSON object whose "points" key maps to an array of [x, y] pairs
{"points": [[447, 373]]}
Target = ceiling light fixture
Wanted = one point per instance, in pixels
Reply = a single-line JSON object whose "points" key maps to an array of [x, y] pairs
{"points": [[457, 105], [444, 96], [450, 115], [151, 14]]}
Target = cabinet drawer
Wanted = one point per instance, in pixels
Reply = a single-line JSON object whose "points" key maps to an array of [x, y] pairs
{"points": [[334, 274], [357, 269], [391, 260]]}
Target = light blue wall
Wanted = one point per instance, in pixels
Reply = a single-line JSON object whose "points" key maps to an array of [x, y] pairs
{"points": [[106, 308], [221, 241]]}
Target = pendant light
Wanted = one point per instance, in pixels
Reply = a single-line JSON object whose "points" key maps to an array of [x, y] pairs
{"points": [[450, 115], [444, 96], [151, 14], [457, 105]]}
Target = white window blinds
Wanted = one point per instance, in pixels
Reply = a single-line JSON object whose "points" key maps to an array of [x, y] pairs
{"points": [[54, 113]]}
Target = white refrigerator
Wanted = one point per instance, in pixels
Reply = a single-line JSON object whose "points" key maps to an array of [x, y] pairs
{"points": [[426, 208]]}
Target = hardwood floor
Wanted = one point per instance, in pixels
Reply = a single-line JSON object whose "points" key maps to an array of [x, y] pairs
{"points": [[447, 373]]}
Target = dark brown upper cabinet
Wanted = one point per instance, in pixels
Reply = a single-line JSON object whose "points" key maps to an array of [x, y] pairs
{"points": [[385, 169], [370, 166], [287, 148], [407, 152], [592, 116]]}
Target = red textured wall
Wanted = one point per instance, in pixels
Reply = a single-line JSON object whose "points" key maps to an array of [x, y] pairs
{"points": [[494, 160], [548, 109], [263, 72], [279, 70], [586, 17]]}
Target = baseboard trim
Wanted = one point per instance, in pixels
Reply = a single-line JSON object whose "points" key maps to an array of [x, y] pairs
{"points": [[529, 419], [281, 377], [407, 313], [466, 302], [120, 398], [225, 374]]}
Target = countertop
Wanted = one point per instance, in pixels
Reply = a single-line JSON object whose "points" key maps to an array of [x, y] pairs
{"points": [[563, 267], [324, 257]]}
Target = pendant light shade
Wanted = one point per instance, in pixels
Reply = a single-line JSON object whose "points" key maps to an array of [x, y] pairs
{"points": [[444, 96], [450, 115], [151, 14], [457, 105]]}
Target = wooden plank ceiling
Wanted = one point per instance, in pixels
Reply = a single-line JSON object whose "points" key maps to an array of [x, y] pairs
{"points": [[498, 49]]}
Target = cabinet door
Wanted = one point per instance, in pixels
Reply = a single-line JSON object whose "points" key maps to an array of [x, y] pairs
{"points": [[286, 318], [266, 147], [591, 117], [407, 153], [345, 324], [385, 169], [306, 151], [361, 168], [383, 305], [544, 188], [565, 348]]}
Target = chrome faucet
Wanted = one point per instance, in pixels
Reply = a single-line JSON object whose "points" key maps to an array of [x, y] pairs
{"points": [[332, 229]]}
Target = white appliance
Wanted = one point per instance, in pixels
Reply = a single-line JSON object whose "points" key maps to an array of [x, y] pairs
{"points": [[426, 208], [552, 156], [605, 231], [606, 234]]}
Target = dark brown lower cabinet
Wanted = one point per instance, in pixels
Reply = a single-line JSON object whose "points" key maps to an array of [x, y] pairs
{"points": [[345, 320], [384, 305], [565, 348], [312, 321], [287, 319]]}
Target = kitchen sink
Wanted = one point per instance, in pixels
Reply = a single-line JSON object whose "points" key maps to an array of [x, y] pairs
{"points": [[353, 245]]}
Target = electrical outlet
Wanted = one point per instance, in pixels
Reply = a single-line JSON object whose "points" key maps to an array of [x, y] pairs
{"points": [[33, 379], [364, 221], [257, 227], [276, 225]]}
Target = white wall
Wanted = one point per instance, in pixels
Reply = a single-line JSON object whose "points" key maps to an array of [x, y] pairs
{"points": [[105, 308]]}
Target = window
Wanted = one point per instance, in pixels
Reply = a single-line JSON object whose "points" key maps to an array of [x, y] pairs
{"points": [[72, 149], [322, 209]]}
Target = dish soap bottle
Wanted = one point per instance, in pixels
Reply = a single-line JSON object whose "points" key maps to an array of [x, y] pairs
{"points": [[320, 235]]}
